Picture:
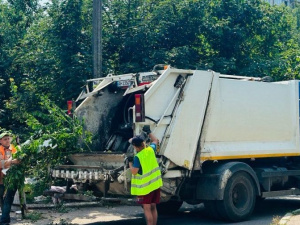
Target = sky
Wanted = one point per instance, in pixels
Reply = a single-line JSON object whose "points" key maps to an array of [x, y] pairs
{"points": [[42, 2]]}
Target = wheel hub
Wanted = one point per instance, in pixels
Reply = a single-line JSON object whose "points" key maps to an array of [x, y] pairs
{"points": [[239, 196]]}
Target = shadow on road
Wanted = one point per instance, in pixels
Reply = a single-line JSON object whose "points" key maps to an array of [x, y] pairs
{"points": [[276, 206], [263, 214]]}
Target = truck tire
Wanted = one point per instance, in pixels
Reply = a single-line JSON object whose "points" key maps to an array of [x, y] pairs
{"points": [[239, 198], [169, 207]]}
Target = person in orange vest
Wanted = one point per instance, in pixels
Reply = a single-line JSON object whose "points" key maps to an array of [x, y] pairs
{"points": [[6, 152]]}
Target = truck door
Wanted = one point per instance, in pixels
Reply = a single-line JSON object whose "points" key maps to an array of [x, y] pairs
{"points": [[178, 113]]}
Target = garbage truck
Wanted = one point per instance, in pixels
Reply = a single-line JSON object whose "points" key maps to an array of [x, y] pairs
{"points": [[225, 140]]}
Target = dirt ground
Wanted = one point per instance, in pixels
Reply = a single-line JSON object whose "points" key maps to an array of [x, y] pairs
{"points": [[78, 215]]}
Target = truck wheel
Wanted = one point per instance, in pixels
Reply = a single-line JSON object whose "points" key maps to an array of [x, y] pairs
{"points": [[169, 207], [239, 198]]}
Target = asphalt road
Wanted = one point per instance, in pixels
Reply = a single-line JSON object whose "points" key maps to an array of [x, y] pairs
{"points": [[264, 213]]}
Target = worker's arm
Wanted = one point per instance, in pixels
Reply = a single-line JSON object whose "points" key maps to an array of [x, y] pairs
{"points": [[153, 138], [135, 165], [9, 162], [133, 169], [15, 162]]}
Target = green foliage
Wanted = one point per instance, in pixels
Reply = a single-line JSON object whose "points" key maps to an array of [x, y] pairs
{"points": [[50, 47], [34, 216], [61, 208], [52, 135], [53, 60], [46, 56], [88, 193], [233, 37], [61, 222], [28, 190], [16, 16]]}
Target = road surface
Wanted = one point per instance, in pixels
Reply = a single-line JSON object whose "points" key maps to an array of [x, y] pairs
{"points": [[264, 213], [189, 215]]}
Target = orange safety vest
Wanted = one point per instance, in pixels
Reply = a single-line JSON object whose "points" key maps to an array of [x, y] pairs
{"points": [[2, 152], [11, 147]]}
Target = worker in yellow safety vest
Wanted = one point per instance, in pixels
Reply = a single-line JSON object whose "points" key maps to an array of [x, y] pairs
{"points": [[146, 175]]}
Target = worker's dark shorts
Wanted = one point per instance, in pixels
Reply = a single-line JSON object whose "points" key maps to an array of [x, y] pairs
{"points": [[152, 197]]}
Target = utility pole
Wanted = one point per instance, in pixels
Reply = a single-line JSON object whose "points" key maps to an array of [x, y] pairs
{"points": [[97, 38]]}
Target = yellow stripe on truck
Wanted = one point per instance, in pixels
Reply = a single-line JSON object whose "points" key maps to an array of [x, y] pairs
{"points": [[204, 158]]}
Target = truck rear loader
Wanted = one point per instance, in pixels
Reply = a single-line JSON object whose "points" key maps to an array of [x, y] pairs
{"points": [[225, 141]]}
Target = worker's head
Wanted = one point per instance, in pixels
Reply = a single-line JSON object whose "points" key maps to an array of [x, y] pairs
{"points": [[138, 143], [5, 139]]}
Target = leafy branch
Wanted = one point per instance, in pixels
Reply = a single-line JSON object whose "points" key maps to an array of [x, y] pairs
{"points": [[51, 136]]}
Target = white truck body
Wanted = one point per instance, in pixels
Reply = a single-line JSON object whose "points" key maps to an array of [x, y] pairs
{"points": [[217, 133], [241, 118]]}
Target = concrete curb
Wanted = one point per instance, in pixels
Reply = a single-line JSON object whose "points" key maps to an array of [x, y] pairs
{"points": [[285, 219], [73, 204], [101, 202]]}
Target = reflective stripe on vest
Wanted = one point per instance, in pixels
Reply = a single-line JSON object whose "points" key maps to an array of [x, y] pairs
{"points": [[147, 174], [146, 184], [150, 180]]}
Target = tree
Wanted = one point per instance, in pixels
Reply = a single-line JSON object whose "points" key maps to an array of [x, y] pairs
{"points": [[56, 53], [15, 18], [51, 135], [49, 48]]}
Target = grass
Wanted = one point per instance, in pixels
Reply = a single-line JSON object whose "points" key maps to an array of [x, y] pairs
{"points": [[88, 193], [62, 209], [275, 220], [34, 216], [61, 222]]}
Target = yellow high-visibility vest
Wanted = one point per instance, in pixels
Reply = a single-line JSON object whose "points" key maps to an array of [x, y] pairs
{"points": [[150, 180]]}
